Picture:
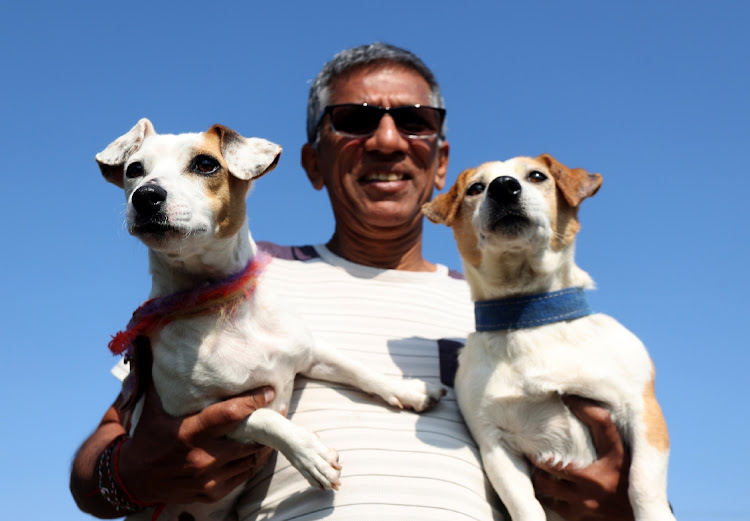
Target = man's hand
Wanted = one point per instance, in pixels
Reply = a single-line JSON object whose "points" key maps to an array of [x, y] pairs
{"points": [[188, 459], [599, 491]]}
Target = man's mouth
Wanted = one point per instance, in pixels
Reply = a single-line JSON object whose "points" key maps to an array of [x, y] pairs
{"points": [[384, 177]]}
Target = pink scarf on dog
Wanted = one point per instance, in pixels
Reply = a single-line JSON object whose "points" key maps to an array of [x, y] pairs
{"points": [[158, 312]]}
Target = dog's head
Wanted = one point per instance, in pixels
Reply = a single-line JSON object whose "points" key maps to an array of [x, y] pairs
{"points": [[517, 213], [185, 187]]}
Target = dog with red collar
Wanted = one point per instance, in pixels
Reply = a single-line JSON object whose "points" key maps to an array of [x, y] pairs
{"points": [[214, 329], [515, 223]]}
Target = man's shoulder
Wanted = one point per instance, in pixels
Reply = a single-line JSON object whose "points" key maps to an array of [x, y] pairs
{"points": [[308, 252], [298, 253], [454, 274]]}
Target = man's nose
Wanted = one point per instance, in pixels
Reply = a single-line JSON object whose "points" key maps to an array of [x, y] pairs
{"points": [[386, 137]]}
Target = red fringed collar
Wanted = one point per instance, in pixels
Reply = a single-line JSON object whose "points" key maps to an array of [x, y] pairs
{"points": [[160, 311]]}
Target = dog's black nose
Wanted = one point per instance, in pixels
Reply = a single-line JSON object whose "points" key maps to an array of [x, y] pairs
{"points": [[504, 189], [148, 199]]}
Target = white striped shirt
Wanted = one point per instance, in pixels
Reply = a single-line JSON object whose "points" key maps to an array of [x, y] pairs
{"points": [[396, 464]]}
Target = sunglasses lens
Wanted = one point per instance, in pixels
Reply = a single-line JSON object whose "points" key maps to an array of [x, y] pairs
{"points": [[417, 121], [356, 120], [363, 120]]}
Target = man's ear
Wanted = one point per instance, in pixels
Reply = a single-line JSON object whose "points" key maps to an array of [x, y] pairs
{"points": [[444, 149], [309, 160]]}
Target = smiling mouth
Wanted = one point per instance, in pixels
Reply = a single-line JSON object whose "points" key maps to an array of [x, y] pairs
{"points": [[384, 177]]}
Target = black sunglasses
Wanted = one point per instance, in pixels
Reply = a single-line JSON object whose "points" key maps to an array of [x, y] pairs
{"points": [[361, 120]]}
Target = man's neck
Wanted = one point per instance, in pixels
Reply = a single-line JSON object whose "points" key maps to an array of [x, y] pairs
{"points": [[396, 253]]}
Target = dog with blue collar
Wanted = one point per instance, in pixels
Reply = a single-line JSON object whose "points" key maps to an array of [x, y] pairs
{"points": [[515, 224]]}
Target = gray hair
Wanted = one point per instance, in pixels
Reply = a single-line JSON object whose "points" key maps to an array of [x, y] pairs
{"points": [[361, 56]]}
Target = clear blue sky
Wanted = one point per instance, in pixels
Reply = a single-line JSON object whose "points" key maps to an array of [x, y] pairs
{"points": [[654, 95]]}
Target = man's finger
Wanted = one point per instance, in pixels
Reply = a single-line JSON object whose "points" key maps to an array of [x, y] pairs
{"points": [[232, 451], [234, 474], [563, 509], [219, 419], [555, 469], [566, 498], [599, 422], [549, 485]]}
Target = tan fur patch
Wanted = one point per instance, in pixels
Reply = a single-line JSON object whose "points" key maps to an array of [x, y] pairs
{"points": [[576, 184], [227, 192], [656, 426], [573, 185], [444, 208], [467, 240], [564, 224], [447, 208]]}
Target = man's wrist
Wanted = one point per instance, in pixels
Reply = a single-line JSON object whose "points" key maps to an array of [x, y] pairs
{"points": [[111, 486]]}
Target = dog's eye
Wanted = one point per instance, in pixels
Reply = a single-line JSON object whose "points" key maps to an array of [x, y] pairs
{"points": [[134, 170], [205, 165], [475, 189], [536, 177]]}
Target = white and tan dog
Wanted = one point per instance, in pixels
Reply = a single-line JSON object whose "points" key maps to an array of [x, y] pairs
{"points": [[186, 202], [515, 224]]}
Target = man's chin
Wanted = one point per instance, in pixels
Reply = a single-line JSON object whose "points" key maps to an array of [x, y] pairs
{"points": [[389, 214]]}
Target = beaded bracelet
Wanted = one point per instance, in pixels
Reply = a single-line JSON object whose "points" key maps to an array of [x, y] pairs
{"points": [[111, 487]]}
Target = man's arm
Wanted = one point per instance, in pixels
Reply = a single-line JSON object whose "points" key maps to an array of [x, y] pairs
{"points": [[84, 481], [171, 460], [599, 491]]}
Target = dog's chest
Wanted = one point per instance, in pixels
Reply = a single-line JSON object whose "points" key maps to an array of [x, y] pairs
{"points": [[511, 382], [593, 353], [200, 360]]}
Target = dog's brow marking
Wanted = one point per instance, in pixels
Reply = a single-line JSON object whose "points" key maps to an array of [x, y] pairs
{"points": [[656, 427], [229, 211]]}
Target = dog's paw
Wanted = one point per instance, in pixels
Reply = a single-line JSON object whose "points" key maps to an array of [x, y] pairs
{"points": [[415, 394], [318, 463]]}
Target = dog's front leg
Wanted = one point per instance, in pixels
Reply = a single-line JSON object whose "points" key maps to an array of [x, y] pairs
{"points": [[648, 467], [330, 365], [510, 476], [304, 450]]}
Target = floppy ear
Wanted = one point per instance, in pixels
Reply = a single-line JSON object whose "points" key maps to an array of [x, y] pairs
{"points": [[248, 158], [112, 158], [576, 184], [444, 207]]}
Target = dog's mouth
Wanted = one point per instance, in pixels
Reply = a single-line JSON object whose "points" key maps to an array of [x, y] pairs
{"points": [[509, 222], [158, 229]]}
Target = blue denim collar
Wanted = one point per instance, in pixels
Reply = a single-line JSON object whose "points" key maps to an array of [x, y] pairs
{"points": [[531, 310]]}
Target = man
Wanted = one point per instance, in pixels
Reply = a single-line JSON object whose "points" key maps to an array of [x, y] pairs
{"points": [[376, 143]]}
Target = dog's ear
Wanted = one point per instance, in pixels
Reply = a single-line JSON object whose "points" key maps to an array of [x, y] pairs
{"points": [[247, 157], [444, 207], [112, 159], [576, 184]]}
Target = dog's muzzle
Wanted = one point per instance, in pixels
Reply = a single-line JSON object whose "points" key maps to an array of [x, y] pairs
{"points": [[503, 206], [504, 190], [148, 200]]}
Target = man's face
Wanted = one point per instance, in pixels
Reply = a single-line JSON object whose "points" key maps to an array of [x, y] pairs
{"points": [[381, 181]]}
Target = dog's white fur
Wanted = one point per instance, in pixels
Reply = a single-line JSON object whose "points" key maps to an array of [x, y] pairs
{"points": [[199, 233], [509, 383]]}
